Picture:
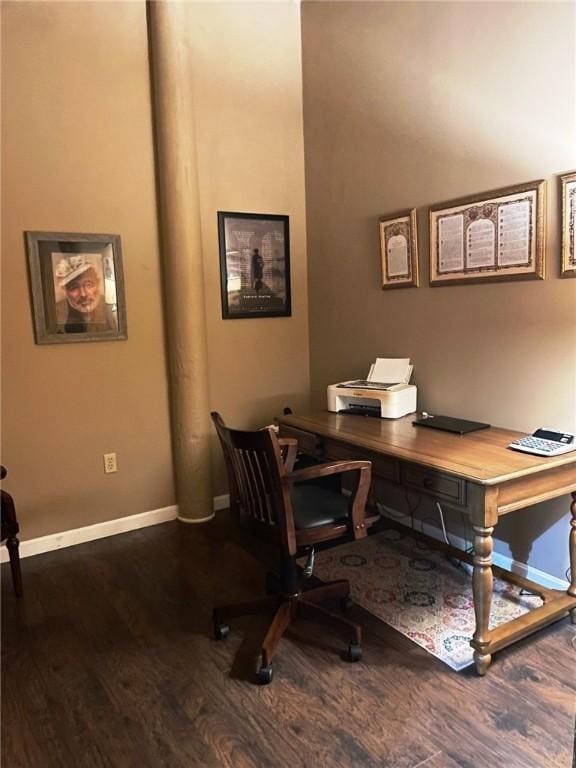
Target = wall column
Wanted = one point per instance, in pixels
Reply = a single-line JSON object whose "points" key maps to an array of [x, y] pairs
{"points": [[181, 250]]}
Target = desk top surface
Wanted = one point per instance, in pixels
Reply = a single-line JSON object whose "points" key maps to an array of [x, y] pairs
{"points": [[480, 456]]}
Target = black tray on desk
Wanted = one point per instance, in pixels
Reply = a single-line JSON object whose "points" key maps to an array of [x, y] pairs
{"points": [[450, 424]]}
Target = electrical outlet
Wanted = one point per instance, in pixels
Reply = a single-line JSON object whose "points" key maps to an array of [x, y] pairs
{"points": [[110, 463]]}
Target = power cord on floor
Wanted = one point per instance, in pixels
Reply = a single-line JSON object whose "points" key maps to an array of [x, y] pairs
{"points": [[389, 512], [394, 514], [567, 576], [469, 547], [452, 560], [412, 507], [432, 522], [441, 513]]}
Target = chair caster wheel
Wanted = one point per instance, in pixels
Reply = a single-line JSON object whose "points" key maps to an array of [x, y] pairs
{"points": [[265, 674], [346, 604], [221, 631], [354, 652]]}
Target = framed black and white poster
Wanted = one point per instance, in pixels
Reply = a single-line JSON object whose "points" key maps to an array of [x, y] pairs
{"points": [[77, 287], [254, 265]]}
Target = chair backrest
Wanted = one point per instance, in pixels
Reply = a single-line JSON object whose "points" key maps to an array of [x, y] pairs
{"points": [[9, 523], [255, 470]]}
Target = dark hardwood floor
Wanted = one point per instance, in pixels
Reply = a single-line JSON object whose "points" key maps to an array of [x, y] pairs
{"points": [[108, 661]]}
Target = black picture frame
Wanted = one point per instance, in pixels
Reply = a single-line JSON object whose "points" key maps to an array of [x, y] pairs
{"points": [[77, 287], [254, 265]]}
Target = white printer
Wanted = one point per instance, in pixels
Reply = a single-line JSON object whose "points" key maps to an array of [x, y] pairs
{"points": [[386, 392]]}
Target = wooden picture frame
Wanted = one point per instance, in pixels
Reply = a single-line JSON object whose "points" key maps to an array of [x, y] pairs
{"points": [[254, 265], [77, 287], [490, 237], [399, 249], [568, 190]]}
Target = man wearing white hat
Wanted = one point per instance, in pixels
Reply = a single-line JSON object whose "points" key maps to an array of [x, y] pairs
{"points": [[83, 310]]}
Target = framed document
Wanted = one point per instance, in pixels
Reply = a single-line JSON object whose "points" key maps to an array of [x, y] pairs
{"points": [[254, 265], [568, 221], [495, 236], [399, 250]]}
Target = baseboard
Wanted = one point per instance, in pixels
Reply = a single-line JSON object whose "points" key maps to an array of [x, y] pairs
{"points": [[53, 541], [221, 502], [527, 571]]}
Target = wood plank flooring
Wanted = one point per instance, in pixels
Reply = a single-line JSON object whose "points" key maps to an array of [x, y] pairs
{"points": [[109, 661]]}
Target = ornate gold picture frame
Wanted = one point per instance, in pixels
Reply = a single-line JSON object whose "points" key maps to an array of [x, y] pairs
{"points": [[399, 249], [568, 264], [491, 237]]}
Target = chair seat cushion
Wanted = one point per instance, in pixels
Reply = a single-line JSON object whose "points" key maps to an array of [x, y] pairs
{"points": [[314, 506]]}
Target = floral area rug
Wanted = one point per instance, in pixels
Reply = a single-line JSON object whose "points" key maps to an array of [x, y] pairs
{"points": [[416, 590]]}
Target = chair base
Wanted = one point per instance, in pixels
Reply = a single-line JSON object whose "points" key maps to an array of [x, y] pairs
{"points": [[287, 609]]}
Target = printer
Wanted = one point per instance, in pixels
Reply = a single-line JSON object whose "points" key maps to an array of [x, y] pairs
{"points": [[386, 393]]}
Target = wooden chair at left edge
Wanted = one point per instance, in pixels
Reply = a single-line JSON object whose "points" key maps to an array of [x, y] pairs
{"points": [[291, 515], [10, 531]]}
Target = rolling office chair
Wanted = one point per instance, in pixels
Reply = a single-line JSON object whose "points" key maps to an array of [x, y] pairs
{"points": [[10, 529], [293, 515]]}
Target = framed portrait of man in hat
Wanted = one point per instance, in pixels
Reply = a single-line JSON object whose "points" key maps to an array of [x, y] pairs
{"points": [[77, 287]]}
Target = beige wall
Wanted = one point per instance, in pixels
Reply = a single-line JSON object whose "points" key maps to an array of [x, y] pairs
{"points": [[248, 98], [78, 157], [411, 104]]}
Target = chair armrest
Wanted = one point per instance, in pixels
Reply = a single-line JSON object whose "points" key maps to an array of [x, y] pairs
{"points": [[324, 470], [288, 449], [359, 495]]}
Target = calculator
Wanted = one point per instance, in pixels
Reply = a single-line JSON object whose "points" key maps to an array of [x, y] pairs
{"points": [[545, 442]]}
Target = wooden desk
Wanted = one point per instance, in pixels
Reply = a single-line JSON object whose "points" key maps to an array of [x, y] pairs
{"points": [[474, 473]]}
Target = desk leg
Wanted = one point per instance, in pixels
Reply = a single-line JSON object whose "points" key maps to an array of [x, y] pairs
{"points": [[572, 550], [482, 591]]}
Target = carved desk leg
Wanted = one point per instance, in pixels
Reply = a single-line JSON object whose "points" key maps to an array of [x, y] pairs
{"points": [[484, 516], [572, 550], [482, 590]]}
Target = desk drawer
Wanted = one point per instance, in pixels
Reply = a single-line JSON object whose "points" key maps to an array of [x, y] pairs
{"points": [[382, 466], [308, 442], [436, 484]]}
